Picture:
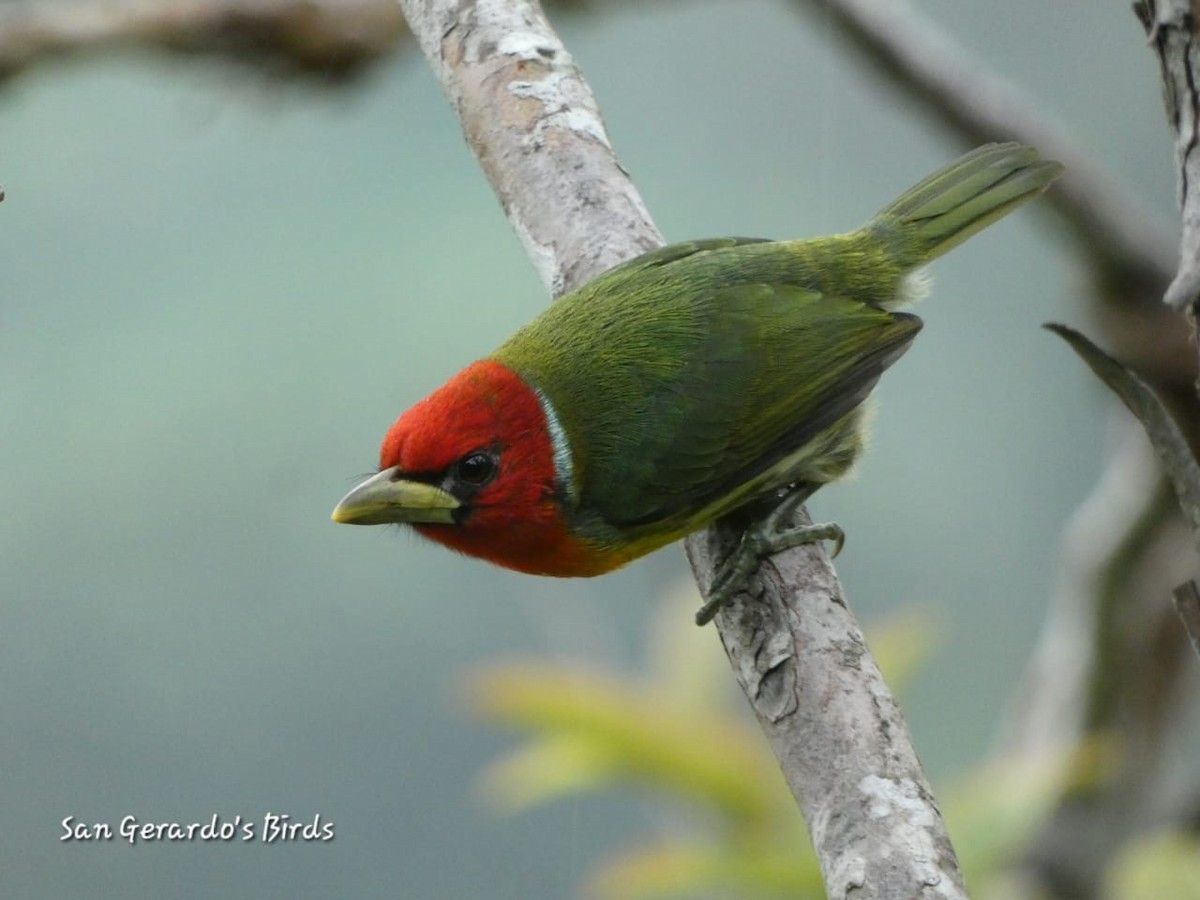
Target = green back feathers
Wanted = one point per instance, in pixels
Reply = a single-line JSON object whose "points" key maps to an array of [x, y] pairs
{"points": [[676, 385], [693, 373]]}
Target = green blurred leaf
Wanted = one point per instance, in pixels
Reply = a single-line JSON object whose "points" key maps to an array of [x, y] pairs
{"points": [[672, 732], [689, 664], [902, 643], [546, 769], [694, 870], [1166, 865], [631, 731]]}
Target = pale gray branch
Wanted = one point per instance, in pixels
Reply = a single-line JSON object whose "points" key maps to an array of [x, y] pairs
{"points": [[534, 127], [532, 122], [1171, 28], [842, 741]]}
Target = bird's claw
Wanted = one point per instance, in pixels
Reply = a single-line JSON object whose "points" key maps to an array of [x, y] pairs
{"points": [[757, 543]]}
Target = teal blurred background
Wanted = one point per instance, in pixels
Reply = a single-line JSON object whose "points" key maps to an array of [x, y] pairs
{"points": [[218, 295]]}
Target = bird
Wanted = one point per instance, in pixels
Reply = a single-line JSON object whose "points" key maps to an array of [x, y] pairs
{"points": [[689, 384]]}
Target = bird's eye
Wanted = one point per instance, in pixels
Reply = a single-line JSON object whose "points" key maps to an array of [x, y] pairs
{"points": [[477, 468]]}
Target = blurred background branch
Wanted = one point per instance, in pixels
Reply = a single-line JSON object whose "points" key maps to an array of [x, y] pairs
{"points": [[330, 41]]}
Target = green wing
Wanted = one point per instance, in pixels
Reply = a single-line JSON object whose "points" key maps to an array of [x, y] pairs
{"points": [[774, 367], [673, 392]]}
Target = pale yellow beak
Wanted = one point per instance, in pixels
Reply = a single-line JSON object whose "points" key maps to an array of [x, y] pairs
{"points": [[386, 498]]}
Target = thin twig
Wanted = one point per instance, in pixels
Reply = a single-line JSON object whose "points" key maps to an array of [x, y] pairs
{"points": [[532, 122]]}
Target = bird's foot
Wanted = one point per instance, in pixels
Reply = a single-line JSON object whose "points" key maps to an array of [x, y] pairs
{"points": [[776, 533]]}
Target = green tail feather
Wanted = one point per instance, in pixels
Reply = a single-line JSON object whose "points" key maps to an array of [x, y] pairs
{"points": [[949, 206]]}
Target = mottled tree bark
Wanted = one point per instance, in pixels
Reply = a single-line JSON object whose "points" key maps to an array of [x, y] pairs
{"points": [[1171, 27]]}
